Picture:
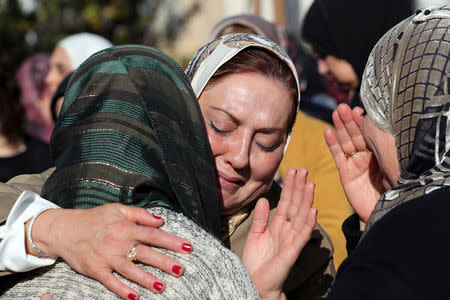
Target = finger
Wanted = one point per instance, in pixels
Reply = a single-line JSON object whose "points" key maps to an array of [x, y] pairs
{"points": [[116, 286], [358, 116], [260, 217], [141, 216], [307, 228], [341, 130], [335, 148], [306, 204], [297, 195], [132, 272], [151, 257], [46, 297], [353, 130], [157, 237], [286, 193]]}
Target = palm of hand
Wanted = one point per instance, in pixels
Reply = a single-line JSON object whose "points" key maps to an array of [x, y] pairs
{"points": [[362, 183], [270, 251], [267, 255]]}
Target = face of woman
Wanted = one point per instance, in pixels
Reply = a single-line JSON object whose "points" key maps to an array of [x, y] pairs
{"points": [[246, 116], [60, 67], [382, 144]]}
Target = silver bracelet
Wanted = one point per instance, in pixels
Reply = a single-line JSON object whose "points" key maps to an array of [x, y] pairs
{"points": [[30, 240]]}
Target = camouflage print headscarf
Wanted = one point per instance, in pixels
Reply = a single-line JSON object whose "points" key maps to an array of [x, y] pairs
{"points": [[131, 132], [405, 91]]}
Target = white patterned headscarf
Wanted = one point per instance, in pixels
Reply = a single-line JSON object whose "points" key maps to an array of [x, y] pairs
{"points": [[216, 53], [405, 91]]}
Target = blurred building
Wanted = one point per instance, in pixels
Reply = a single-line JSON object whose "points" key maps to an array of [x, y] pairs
{"points": [[194, 33], [204, 14]]}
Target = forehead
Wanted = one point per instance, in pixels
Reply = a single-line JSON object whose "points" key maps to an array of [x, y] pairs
{"points": [[251, 95], [60, 56]]}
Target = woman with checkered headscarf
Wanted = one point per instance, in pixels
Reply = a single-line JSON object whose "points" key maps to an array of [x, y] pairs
{"points": [[395, 165]]}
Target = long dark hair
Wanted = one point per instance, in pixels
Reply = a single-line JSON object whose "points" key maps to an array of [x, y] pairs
{"points": [[11, 111]]}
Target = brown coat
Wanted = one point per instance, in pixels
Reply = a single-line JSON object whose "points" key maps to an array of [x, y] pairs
{"points": [[310, 277]]}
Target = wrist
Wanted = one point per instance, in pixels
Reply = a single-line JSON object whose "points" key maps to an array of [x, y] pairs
{"points": [[274, 295], [38, 236]]}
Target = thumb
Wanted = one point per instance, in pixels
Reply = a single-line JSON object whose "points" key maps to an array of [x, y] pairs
{"points": [[260, 217]]}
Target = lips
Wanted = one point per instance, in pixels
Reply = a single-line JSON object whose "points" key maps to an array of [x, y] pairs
{"points": [[229, 182]]}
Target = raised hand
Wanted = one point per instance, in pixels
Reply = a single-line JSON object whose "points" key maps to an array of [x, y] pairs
{"points": [[357, 165], [270, 251], [95, 242]]}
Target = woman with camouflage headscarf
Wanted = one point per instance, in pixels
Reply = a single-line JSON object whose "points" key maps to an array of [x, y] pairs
{"points": [[395, 165]]}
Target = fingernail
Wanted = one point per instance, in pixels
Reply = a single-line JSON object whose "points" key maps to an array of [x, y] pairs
{"points": [[176, 269], [158, 286], [132, 296], [157, 217], [186, 247]]}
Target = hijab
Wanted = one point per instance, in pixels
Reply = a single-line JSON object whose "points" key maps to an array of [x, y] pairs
{"points": [[131, 131], [349, 29], [305, 64], [405, 90], [216, 53], [80, 46]]}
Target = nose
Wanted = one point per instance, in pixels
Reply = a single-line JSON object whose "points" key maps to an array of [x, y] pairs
{"points": [[322, 67], [239, 155]]}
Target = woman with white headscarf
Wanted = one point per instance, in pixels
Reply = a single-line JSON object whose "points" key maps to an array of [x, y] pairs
{"points": [[395, 165], [69, 53]]}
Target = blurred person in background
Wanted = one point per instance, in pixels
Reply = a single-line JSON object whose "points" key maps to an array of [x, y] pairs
{"points": [[342, 34], [70, 53], [35, 96], [20, 152], [307, 147]]}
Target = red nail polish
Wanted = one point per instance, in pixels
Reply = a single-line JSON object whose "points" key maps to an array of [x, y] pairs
{"points": [[176, 269], [157, 217], [158, 286], [186, 247], [132, 296]]}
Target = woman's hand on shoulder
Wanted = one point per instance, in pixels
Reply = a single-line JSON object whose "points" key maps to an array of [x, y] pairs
{"points": [[270, 251], [357, 165], [95, 242]]}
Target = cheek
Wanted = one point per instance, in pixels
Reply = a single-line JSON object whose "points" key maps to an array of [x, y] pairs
{"points": [[264, 165]]}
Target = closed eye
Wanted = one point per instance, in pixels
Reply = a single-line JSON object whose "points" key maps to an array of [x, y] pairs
{"points": [[216, 129], [267, 149]]}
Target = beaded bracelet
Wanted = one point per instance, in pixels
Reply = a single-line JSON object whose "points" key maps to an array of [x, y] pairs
{"points": [[30, 240]]}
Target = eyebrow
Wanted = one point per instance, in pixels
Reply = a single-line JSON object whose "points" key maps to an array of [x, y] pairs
{"points": [[236, 120]]}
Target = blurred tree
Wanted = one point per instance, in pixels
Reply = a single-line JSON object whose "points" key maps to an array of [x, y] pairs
{"points": [[28, 26]]}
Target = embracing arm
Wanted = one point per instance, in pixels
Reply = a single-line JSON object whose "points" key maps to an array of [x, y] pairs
{"points": [[10, 191], [97, 252]]}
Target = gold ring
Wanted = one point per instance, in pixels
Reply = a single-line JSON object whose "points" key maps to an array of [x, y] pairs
{"points": [[351, 154], [131, 254], [289, 219]]}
